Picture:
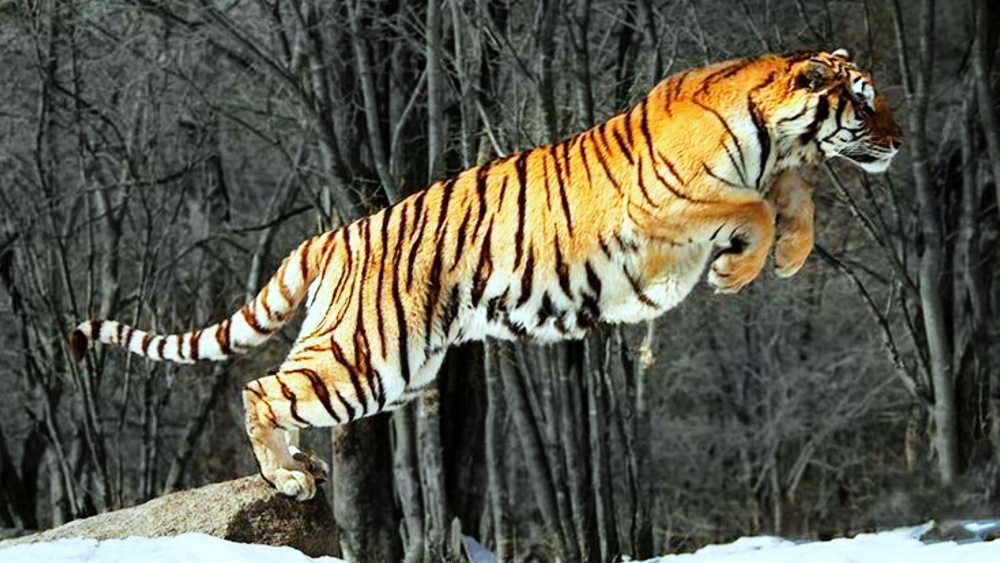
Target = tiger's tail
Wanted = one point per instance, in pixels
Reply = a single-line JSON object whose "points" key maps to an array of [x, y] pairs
{"points": [[250, 326]]}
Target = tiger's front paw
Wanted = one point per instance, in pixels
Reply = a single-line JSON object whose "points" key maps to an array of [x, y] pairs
{"points": [[791, 250], [792, 200], [735, 268]]}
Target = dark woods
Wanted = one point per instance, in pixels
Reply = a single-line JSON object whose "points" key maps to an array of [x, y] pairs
{"points": [[159, 159]]}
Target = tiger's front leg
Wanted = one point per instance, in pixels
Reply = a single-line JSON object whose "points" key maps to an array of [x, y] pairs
{"points": [[744, 232], [793, 205]]}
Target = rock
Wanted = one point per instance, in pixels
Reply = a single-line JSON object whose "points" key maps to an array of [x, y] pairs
{"points": [[244, 510]]}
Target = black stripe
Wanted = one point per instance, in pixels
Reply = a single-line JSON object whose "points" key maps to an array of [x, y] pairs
{"points": [[805, 110], [736, 165], [626, 245], [450, 309], [195, 336], [593, 280], [841, 105], [628, 128], [180, 347], [145, 344], [589, 313], [676, 83], [222, 336], [380, 396], [735, 139], [547, 310], [712, 173], [434, 287], [319, 388], [448, 188], [118, 333], [644, 128], [397, 301], [460, 241], [346, 282], [516, 328], [604, 165], [434, 292], [566, 161], [583, 159], [636, 284], [484, 269], [502, 196], [763, 138], [545, 180], [95, 330], [604, 247], [482, 174], [722, 74], [493, 306], [420, 221], [562, 271], [384, 239], [527, 277], [670, 167], [642, 183], [359, 394], [621, 144], [160, 346], [304, 261], [351, 411], [292, 401], [521, 165], [262, 300], [362, 349], [251, 319], [127, 337], [562, 192], [822, 112]]}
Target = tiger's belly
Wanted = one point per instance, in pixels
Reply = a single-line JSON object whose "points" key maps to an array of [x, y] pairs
{"points": [[654, 282], [624, 288]]}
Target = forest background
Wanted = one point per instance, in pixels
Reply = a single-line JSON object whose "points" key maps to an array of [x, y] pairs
{"points": [[159, 158]]}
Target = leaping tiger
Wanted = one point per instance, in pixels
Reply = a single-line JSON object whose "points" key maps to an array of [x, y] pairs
{"points": [[614, 225]]}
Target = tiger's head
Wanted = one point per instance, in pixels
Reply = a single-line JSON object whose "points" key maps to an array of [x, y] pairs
{"points": [[835, 110]]}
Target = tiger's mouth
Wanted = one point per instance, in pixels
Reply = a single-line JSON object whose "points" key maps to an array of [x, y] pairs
{"points": [[872, 159]]}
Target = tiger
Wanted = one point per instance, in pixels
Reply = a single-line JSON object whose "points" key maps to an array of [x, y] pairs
{"points": [[616, 224]]}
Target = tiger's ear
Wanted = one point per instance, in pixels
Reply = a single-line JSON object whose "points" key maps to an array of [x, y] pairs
{"points": [[815, 76], [843, 54]]}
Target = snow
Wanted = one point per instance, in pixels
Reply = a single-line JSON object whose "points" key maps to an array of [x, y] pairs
{"points": [[897, 545], [903, 544], [186, 548]]}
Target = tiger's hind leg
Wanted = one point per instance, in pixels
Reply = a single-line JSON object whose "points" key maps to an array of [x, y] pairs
{"points": [[276, 408]]}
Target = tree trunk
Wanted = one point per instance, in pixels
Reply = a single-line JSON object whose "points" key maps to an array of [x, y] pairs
{"points": [[982, 78], [496, 460], [931, 267], [362, 497]]}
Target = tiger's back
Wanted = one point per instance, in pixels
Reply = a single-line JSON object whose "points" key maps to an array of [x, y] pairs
{"points": [[616, 224]]}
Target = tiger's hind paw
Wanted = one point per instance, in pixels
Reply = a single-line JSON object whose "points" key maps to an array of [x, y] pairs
{"points": [[300, 485], [313, 464]]}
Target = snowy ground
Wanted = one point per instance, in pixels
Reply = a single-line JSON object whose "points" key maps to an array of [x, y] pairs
{"points": [[901, 545]]}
